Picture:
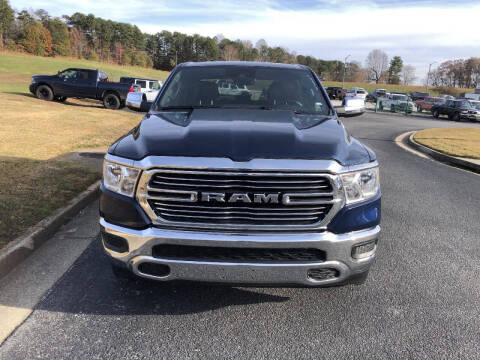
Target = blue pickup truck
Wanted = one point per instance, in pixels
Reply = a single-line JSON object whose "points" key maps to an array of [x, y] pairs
{"points": [[80, 83], [263, 186]]}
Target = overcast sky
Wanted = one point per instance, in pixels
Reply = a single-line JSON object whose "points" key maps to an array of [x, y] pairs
{"points": [[421, 31]]}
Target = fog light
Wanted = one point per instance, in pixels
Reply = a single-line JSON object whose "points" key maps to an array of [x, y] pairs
{"points": [[364, 250]]}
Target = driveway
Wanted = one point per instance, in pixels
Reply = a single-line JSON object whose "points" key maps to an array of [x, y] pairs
{"points": [[422, 299]]}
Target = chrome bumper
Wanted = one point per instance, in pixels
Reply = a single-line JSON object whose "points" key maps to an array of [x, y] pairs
{"points": [[337, 247], [132, 104]]}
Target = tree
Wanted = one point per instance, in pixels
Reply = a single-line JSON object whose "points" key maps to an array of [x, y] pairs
{"points": [[47, 42], [377, 64], [408, 74], [33, 39], [395, 69], [6, 20], [60, 36]]}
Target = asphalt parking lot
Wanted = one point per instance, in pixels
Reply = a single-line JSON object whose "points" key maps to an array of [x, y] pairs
{"points": [[422, 299]]}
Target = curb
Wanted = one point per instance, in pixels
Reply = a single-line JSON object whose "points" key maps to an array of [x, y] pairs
{"points": [[452, 160], [23, 246]]}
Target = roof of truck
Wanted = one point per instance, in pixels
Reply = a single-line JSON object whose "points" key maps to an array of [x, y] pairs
{"points": [[243, 63]]}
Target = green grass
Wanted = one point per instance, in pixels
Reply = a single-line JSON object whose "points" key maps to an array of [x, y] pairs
{"points": [[35, 179]]}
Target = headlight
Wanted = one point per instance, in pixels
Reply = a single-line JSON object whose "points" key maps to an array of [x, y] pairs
{"points": [[120, 178], [361, 185], [33, 80]]}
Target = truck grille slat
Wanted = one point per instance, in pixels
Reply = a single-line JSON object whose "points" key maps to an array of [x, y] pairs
{"points": [[237, 211], [219, 254], [240, 199], [240, 187], [285, 209]]}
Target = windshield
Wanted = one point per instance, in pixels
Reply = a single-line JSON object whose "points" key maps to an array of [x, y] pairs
{"points": [[244, 87]]}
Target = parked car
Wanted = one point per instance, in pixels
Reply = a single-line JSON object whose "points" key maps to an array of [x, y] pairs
{"points": [[230, 88], [427, 103], [473, 113], [352, 106], [446, 97], [396, 102], [471, 96], [336, 92], [375, 94], [145, 91], [80, 83], [146, 85], [456, 110], [241, 189], [357, 92], [416, 95]]}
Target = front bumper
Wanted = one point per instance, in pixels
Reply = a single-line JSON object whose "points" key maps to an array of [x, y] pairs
{"points": [[471, 117], [338, 249]]}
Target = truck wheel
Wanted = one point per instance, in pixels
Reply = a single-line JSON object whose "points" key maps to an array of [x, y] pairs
{"points": [[61, 98], [436, 114], [455, 117], [44, 92], [111, 101], [419, 109], [380, 107]]}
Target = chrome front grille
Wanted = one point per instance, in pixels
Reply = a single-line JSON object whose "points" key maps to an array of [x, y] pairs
{"points": [[238, 199]]}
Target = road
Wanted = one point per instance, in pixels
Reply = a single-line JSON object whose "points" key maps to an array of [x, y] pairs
{"points": [[422, 299]]}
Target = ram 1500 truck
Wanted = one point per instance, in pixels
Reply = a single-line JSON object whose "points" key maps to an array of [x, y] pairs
{"points": [[259, 187], [80, 83]]}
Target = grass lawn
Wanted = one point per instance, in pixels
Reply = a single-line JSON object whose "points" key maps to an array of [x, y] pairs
{"points": [[462, 142], [34, 134]]}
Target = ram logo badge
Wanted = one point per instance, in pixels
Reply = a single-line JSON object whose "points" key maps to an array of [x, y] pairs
{"points": [[240, 198]]}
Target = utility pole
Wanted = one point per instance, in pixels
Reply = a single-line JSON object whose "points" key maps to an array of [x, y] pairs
{"points": [[344, 70], [428, 75]]}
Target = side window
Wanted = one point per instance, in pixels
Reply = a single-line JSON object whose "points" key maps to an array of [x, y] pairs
{"points": [[68, 74], [142, 84], [154, 85], [83, 75]]}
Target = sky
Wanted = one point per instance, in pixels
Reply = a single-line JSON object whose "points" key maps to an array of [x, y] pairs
{"points": [[421, 32]]}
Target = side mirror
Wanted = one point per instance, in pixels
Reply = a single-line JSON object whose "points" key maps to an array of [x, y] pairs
{"points": [[351, 107]]}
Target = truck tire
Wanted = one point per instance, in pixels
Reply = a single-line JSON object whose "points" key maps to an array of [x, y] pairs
{"points": [[44, 92], [419, 109], [436, 114], [455, 117], [111, 101]]}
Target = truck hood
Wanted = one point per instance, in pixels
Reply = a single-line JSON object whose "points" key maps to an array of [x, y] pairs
{"points": [[241, 135], [44, 77]]}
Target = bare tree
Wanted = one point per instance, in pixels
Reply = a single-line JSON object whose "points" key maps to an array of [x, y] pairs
{"points": [[230, 53], [260, 43], [408, 74], [377, 64]]}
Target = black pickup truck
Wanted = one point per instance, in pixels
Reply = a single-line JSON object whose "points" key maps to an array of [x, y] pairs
{"points": [[80, 83], [259, 186], [455, 109]]}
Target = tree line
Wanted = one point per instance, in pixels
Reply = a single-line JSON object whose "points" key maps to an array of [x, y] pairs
{"points": [[463, 73], [94, 38]]}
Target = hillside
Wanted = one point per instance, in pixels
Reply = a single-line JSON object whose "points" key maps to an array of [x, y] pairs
{"points": [[16, 69], [35, 135]]}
